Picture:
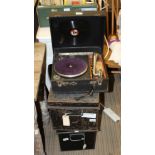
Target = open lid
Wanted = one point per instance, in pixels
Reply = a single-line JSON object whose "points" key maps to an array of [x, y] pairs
{"points": [[77, 31]]}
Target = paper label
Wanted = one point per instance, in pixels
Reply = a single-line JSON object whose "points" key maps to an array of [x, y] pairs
{"points": [[65, 139], [67, 9], [36, 132], [76, 131], [89, 115], [92, 120], [54, 10], [111, 114], [88, 9], [79, 13], [66, 120]]}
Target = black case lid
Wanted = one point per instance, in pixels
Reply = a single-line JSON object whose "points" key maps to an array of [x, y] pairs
{"points": [[77, 31]]}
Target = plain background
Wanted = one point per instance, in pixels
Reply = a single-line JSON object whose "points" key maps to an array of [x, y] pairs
{"points": [[137, 80]]}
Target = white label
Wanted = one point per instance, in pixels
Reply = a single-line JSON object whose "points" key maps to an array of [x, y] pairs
{"points": [[76, 131], [84, 146], [92, 120], [54, 10], [66, 120], [89, 115], [79, 13], [111, 114], [36, 132], [67, 9], [65, 139], [88, 9]]}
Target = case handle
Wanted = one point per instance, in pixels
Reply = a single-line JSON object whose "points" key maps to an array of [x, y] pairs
{"points": [[75, 140]]}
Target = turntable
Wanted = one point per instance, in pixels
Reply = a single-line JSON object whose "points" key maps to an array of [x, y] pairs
{"points": [[70, 67], [77, 40]]}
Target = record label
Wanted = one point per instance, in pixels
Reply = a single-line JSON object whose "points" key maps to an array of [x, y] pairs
{"points": [[74, 32]]}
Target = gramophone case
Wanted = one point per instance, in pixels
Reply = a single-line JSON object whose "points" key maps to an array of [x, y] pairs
{"points": [[77, 84], [77, 140], [78, 35]]}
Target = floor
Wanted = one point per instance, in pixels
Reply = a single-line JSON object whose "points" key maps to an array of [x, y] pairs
{"points": [[108, 140]]}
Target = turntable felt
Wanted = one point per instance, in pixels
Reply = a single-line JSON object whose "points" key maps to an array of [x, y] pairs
{"points": [[70, 67], [80, 63]]}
